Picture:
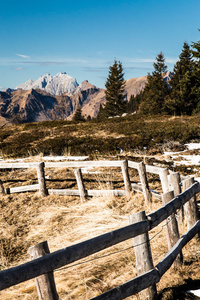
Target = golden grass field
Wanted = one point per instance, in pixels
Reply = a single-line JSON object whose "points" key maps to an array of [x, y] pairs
{"points": [[27, 219]]}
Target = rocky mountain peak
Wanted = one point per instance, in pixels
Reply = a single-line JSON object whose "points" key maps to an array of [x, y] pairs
{"points": [[59, 84]]}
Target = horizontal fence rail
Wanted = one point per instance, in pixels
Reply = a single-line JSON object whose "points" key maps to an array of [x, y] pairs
{"points": [[65, 256], [144, 281], [124, 165]]}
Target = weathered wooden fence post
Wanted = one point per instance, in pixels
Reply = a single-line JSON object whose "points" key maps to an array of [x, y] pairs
{"points": [[46, 287], [144, 182], [126, 177], [144, 261], [41, 179], [2, 190], [80, 183], [174, 185], [172, 228], [164, 180], [190, 207]]}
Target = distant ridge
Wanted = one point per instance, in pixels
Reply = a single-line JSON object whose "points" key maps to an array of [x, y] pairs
{"points": [[58, 97]]}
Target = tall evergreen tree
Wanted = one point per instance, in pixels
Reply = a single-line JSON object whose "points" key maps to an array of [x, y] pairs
{"points": [[182, 98], [78, 115], [114, 92], [133, 104], [156, 89], [196, 87]]}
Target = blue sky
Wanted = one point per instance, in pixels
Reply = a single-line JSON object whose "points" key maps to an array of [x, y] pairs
{"points": [[82, 38]]}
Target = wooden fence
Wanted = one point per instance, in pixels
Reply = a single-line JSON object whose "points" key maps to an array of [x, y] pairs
{"points": [[142, 169], [140, 225]]}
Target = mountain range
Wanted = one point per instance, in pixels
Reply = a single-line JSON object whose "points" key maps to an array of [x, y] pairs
{"points": [[58, 97], [59, 84]]}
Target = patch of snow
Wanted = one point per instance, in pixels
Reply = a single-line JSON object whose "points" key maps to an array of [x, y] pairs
{"points": [[65, 157], [194, 292], [186, 160], [12, 160], [193, 146], [189, 160], [86, 171]]}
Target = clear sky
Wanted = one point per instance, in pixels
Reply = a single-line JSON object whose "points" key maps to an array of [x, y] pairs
{"points": [[82, 38]]}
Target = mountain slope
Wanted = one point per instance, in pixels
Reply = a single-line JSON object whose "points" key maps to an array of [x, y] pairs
{"points": [[37, 105], [43, 103]]}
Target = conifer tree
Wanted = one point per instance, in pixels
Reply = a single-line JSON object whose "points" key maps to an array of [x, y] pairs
{"points": [[182, 98], [133, 104], [196, 85], [156, 89], [114, 92], [78, 115]]}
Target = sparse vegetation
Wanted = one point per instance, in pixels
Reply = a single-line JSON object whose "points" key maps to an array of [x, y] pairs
{"points": [[129, 133]]}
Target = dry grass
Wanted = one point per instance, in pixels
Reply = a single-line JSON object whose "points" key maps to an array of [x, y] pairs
{"points": [[26, 220]]}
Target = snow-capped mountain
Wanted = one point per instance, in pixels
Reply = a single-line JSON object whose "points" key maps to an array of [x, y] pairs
{"points": [[59, 84]]}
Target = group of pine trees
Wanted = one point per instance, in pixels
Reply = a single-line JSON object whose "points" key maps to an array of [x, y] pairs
{"points": [[180, 96]]}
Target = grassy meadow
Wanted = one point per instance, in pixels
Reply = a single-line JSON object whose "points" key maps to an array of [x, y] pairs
{"points": [[27, 219]]}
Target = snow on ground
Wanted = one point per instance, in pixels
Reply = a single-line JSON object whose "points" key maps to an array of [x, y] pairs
{"points": [[86, 171], [12, 160], [65, 157], [193, 146], [181, 158], [194, 292]]}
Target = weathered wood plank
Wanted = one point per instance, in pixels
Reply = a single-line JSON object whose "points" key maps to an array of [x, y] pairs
{"points": [[25, 188], [190, 207], [45, 283], [68, 255], [164, 212], [164, 180], [41, 179], [153, 169], [168, 260], [144, 261], [144, 281], [17, 165], [80, 183], [84, 164], [133, 164], [127, 182], [131, 287], [144, 182], [174, 180], [91, 193], [172, 230]]}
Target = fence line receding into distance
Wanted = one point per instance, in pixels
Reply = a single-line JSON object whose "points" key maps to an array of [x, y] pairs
{"points": [[142, 169], [44, 263]]}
